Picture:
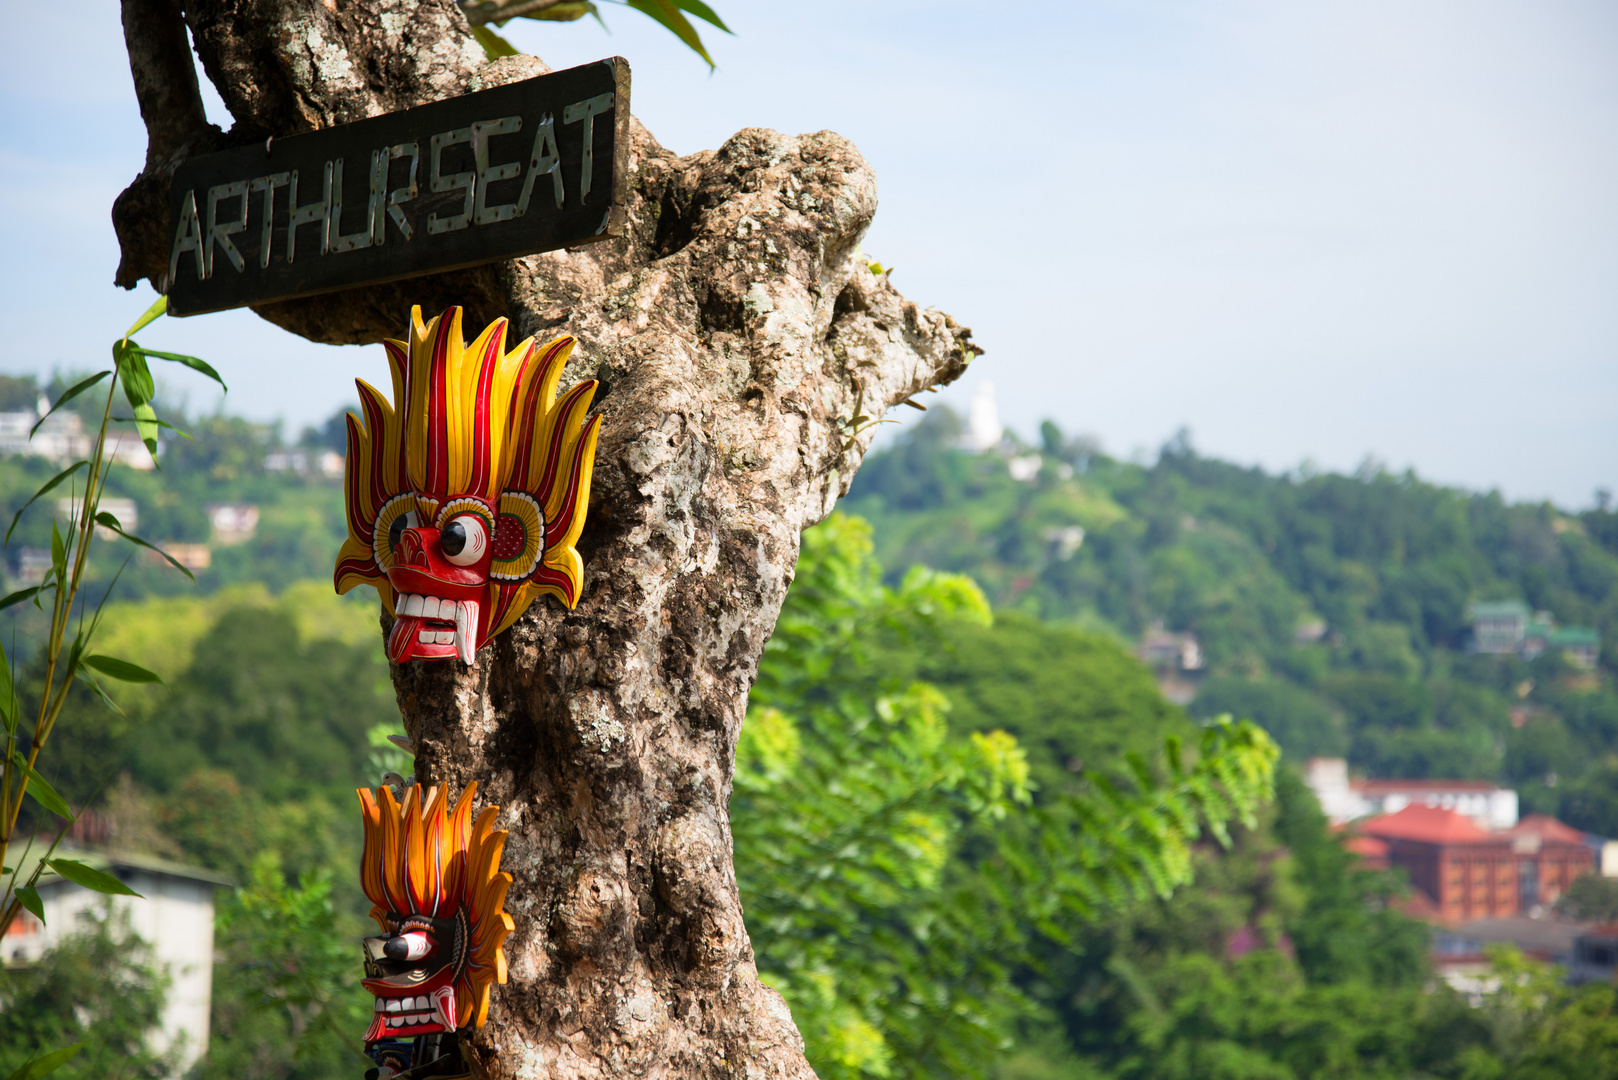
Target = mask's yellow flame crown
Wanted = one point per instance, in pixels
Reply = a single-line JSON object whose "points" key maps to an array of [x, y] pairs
{"points": [[471, 487]]}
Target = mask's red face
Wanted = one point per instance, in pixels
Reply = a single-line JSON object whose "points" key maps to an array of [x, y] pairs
{"points": [[440, 577], [412, 972]]}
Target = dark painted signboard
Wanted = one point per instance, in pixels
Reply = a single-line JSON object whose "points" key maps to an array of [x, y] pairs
{"points": [[532, 166]]}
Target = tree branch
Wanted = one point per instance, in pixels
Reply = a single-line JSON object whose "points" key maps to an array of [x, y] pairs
{"points": [[176, 127]]}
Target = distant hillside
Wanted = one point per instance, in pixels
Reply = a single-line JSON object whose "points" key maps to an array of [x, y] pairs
{"points": [[297, 506], [1335, 610]]}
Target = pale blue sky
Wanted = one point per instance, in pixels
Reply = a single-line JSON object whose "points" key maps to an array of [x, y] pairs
{"points": [[1306, 231]]}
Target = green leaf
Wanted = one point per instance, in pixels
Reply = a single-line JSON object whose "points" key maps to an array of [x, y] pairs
{"points": [[90, 878], [44, 1064], [203, 366], [19, 596], [147, 425], [137, 377], [704, 12], [494, 46], [49, 484], [8, 689], [58, 550], [568, 11], [133, 539], [122, 670], [158, 308], [89, 680], [43, 793], [68, 395], [160, 423], [668, 15], [30, 900]]}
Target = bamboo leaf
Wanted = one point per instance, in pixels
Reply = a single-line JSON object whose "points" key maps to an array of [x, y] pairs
{"points": [[44, 1064], [43, 793], [139, 387], [29, 897], [146, 425], [8, 689], [158, 308], [90, 877], [669, 16], [58, 550], [202, 366], [122, 670], [19, 596], [133, 539], [49, 484], [68, 395], [89, 680], [494, 46], [703, 12]]}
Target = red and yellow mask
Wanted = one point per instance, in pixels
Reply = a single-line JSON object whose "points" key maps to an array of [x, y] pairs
{"points": [[434, 880], [467, 494]]}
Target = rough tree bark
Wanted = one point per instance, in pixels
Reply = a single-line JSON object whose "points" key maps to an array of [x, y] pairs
{"points": [[737, 335]]}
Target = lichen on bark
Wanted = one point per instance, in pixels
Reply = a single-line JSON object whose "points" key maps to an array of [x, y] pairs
{"points": [[738, 335]]}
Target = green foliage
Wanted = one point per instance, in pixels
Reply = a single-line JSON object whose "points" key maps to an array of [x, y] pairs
{"points": [[898, 876], [98, 989], [1542, 1028], [287, 1001], [1331, 609], [1591, 899], [1279, 962], [1073, 699]]}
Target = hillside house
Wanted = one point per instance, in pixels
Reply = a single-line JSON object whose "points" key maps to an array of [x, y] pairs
{"points": [[1507, 626]]}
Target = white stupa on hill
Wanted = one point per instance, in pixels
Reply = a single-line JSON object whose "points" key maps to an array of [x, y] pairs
{"points": [[983, 427]]}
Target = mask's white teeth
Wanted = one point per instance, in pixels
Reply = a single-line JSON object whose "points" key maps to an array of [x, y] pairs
{"points": [[412, 605], [466, 628]]}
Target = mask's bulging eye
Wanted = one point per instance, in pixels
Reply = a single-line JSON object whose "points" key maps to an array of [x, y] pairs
{"points": [[412, 946], [464, 539], [404, 521]]}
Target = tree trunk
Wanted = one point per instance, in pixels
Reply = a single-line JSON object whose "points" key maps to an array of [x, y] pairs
{"points": [[739, 338]]}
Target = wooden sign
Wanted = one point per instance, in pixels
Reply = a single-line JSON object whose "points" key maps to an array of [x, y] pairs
{"points": [[533, 166]]}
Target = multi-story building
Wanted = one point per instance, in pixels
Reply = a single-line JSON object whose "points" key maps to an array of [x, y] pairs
{"points": [[1499, 626], [1468, 872]]}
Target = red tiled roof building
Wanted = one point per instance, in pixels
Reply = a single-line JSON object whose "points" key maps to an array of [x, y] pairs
{"points": [[1471, 873]]}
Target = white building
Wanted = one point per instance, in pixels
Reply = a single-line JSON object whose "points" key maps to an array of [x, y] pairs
{"points": [[983, 428], [174, 914], [64, 439], [1489, 805], [233, 523]]}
